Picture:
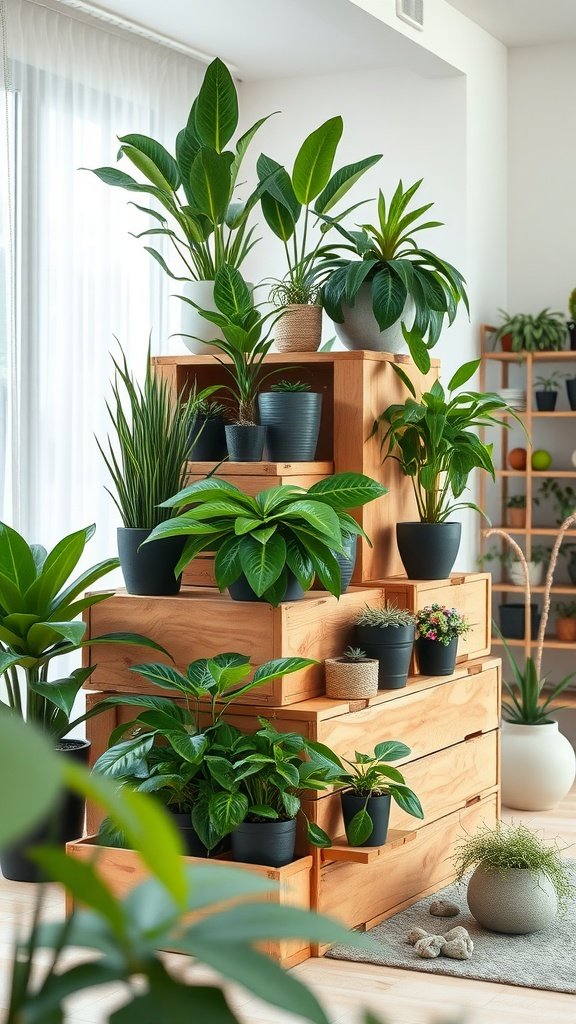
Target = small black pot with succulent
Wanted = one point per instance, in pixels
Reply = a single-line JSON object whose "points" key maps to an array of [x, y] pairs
{"points": [[352, 676], [387, 634], [546, 391], [291, 412], [438, 629], [206, 434]]}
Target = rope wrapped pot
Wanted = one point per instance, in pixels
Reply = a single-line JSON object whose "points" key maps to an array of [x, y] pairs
{"points": [[299, 329], [351, 680]]}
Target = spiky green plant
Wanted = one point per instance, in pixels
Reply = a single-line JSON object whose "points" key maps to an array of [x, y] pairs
{"points": [[544, 332], [147, 462], [210, 410], [507, 847], [353, 654], [290, 386], [388, 615], [527, 704]]}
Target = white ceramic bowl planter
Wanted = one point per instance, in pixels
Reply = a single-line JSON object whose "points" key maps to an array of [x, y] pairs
{"points": [[193, 323], [516, 902], [535, 573], [360, 329], [538, 766]]}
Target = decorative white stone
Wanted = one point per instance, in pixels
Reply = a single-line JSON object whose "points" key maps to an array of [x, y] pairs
{"points": [[538, 766], [444, 908], [456, 933], [430, 946], [458, 949], [415, 935]]}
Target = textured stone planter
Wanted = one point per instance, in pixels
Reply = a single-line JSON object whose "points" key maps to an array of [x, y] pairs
{"points": [[360, 330], [515, 902]]}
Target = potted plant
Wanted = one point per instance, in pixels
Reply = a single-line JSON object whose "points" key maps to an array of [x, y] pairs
{"points": [[290, 411], [196, 190], [566, 621], [516, 511], [524, 332], [514, 567], [513, 619], [271, 546], [436, 444], [571, 324], [392, 293], [352, 676], [571, 391], [39, 607], [206, 434], [347, 558], [564, 498], [387, 634], [369, 784], [147, 461], [286, 201], [546, 391], [519, 882], [438, 629]]}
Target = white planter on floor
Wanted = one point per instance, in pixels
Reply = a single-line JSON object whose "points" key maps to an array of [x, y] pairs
{"points": [[538, 766]]}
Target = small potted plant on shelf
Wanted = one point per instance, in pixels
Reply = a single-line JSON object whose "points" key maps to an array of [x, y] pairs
{"points": [[544, 332], [387, 634], [286, 201], [438, 629], [568, 551], [352, 676], [436, 444], [571, 391], [392, 293], [566, 621], [516, 511], [515, 569], [290, 411], [564, 498], [271, 546], [369, 785], [571, 324], [206, 435], [546, 391], [519, 882]]}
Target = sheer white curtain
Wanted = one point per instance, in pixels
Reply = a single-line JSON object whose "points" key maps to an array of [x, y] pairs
{"points": [[81, 278]]}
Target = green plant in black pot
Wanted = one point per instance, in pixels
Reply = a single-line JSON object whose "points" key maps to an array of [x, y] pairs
{"points": [[524, 332], [392, 292], [206, 434], [563, 498], [147, 460], [40, 602], [291, 412], [271, 546], [387, 634], [546, 391], [571, 323], [435, 441], [438, 629]]}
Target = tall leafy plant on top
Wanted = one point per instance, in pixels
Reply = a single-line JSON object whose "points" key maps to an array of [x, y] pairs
{"points": [[196, 189], [287, 200]]}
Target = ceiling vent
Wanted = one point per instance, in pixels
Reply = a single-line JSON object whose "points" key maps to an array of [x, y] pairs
{"points": [[411, 11]]}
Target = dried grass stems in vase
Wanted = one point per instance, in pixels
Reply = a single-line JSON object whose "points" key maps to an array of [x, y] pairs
{"points": [[353, 676]]}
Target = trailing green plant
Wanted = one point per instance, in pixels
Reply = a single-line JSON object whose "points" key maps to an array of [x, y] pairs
{"points": [[528, 704], [572, 304], [551, 382], [564, 498], [397, 270], [566, 609], [354, 655], [387, 615], [264, 537], [287, 199], [512, 847], [290, 386], [371, 775], [544, 332], [516, 501], [197, 188], [39, 608], [442, 624], [435, 441]]}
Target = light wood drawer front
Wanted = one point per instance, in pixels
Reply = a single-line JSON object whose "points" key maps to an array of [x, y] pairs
{"points": [[356, 894]]}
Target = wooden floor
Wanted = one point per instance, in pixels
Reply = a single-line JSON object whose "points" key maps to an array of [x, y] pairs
{"points": [[395, 996]]}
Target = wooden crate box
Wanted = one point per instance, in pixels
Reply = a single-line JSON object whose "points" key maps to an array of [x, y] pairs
{"points": [[356, 388], [200, 622], [123, 869]]}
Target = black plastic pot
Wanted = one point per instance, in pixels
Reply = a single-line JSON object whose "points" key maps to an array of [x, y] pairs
{"points": [[378, 807], [435, 659], [512, 621], [571, 389], [428, 550], [392, 648], [192, 843], [264, 842], [546, 400], [292, 420], [64, 823], [245, 442], [347, 561], [242, 591], [210, 443], [571, 325], [149, 570]]}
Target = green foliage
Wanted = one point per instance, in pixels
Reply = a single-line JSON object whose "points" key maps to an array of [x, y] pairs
{"points": [[147, 460], [206, 410], [436, 443], [528, 704], [388, 615], [551, 382], [291, 201], [354, 654], [509, 847], [290, 386], [566, 609], [280, 530], [39, 608], [572, 304], [441, 624], [545, 332], [195, 189], [564, 498], [516, 501], [397, 269], [507, 556]]}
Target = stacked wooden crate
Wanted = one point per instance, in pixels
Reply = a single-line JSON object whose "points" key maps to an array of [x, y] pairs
{"points": [[450, 723]]}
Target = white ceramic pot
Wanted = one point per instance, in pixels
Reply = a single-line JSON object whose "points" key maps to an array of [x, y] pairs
{"points": [[535, 573], [515, 902], [538, 766], [201, 330], [360, 330]]}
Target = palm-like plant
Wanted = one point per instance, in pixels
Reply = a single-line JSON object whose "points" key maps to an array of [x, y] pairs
{"points": [[528, 705]]}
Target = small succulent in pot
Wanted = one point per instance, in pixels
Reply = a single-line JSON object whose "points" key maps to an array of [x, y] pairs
{"points": [[437, 632], [352, 676], [291, 412], [543, 332], [566, 621], [387, 633], [516, 511]]}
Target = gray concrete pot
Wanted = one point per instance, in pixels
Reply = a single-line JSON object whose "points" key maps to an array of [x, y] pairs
{"points": [[515, 902], [360, 330]]}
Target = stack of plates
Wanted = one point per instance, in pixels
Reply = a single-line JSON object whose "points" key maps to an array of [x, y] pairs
{"points": [[514, 397]]}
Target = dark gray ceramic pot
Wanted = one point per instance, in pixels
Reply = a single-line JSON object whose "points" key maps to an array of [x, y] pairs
{"points": [[293, 424], [378, 808], [207, 440], [347, 561], [571, 389], [392, 647], [148, 570], [264, 842], [428, 550], [245, 442], [436, 659], [241, 590], [512, 621]]}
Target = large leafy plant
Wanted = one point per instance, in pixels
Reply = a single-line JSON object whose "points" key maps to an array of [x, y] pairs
{"points": [[39, 606], [279, 530], [196, 188], [287, 199], [397, 269], [435, 441], [544, 332]]}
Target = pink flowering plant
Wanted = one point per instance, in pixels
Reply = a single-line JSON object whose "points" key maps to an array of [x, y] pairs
{"points": [[440, 623]]}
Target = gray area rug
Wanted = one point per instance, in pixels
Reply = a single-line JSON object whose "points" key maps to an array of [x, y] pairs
{"points": [[545, 960]]}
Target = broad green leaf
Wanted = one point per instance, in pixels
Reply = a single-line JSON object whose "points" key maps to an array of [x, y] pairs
{"points": [[317, 836], [165, 676], [280, 667], [388, 298], [16, 559], [190, 747], [314, 160], [253, 922], [325, 565], [216, 107], [58, 566], [31, 776], [228, 810], [406, 799], [165, 164], [262, 563], [168, 999], [463, 374], [11, 598], [346, 490], [210, 183], [227, 564], [299, 563], [342, 181], [122, 758], [391, 750], [360, 828], [231, 293], [356, 274], [277, 216], [83, 883], [318, 514], [62, 692]]}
